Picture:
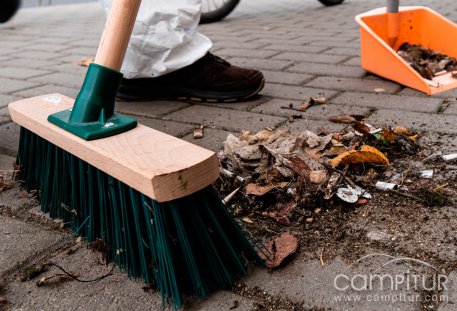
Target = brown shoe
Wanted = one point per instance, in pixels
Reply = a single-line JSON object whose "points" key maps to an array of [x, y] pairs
{"points": [[210, 79]]}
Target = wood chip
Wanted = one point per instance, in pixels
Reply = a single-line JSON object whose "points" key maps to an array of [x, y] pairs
{"points": [[318, 101], [198, 132], [321, 257], [318, 177], [248, 220], [305, 106]]}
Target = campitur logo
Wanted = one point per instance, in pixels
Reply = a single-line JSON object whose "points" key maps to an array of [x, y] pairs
{"points": [[381, 286]]}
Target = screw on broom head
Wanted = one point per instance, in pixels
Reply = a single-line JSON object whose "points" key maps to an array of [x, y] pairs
{"points": [[191, 244]]}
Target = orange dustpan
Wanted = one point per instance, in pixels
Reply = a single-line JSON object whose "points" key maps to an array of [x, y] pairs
{"points": [[383, 30]]}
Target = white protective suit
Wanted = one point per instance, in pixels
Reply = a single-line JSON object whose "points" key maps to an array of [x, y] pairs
{"points": [[164, 38]]}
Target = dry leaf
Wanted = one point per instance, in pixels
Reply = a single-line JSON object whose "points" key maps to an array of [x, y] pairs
{"points": [[198, 132], [255, 138], [344, 119], [399, 130], [336, 150], [259, 190], [281, 216], [280, 248], [361, 128], [86, 62], [388, 134], [56, 278], [4, 185], [299, 166], [366, 154]]}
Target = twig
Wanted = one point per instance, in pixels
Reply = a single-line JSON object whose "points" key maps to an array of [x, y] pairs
{"points": [[291, 108], [84, 281], [321, 257], [441, 187], [409, 196], [343, 174], [403, 177]]}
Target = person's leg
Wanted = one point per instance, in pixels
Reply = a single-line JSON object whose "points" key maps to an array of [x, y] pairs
{"points": [[168, 58], [164, 38]]}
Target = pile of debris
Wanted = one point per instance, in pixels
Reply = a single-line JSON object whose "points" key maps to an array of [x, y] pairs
{"points": [[428, 63], [288, 177]]}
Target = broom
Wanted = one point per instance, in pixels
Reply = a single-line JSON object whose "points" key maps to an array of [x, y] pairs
{"points": [[145, 197]]}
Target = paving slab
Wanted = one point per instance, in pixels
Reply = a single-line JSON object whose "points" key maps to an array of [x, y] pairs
{"points": [[416, 120], [151, 109], [311, 57], [24, 62], [305, 124], [20, 240], [450, 302], [314, 285], [9, 133], [8, 85], [385, 101], [352, 84], [60, 78], [446, 94], [224, 118], [452, 108], [115, 292], [273, 107], [295, 92], [48, 89], [21, 73], [4, 115], [286, 77], [328, 70], [169, 127], [6, 99], [258, 63]]}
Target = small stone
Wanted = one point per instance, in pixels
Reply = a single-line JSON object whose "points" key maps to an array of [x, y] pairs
{"points": [[309, 220]]}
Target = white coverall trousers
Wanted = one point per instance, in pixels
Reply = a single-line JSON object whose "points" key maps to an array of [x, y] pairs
{"points": [[164, 38]]}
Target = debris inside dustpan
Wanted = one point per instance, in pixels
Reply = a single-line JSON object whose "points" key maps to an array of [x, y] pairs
{"points": [[428, 63]]}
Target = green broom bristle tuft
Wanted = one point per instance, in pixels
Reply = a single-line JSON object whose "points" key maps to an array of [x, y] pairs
{"points": [[190, 245]]}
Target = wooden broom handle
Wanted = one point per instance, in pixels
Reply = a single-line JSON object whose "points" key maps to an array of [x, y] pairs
{"points": [[116, 35]]}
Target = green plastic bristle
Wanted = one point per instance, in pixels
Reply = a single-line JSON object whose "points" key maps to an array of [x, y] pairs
{"points": [[190, 245]]}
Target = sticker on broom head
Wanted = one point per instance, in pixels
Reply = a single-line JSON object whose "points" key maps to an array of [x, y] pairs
{"points": [[53, 99]]}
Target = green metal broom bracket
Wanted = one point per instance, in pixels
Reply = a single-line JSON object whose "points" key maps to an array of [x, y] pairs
{"points": [[93, 116]]}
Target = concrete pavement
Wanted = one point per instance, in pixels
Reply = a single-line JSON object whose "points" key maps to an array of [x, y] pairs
{"points": [[304, 49]]}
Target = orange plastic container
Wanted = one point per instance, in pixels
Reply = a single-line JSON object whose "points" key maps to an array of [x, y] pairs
{"points": [[416, 25]]}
